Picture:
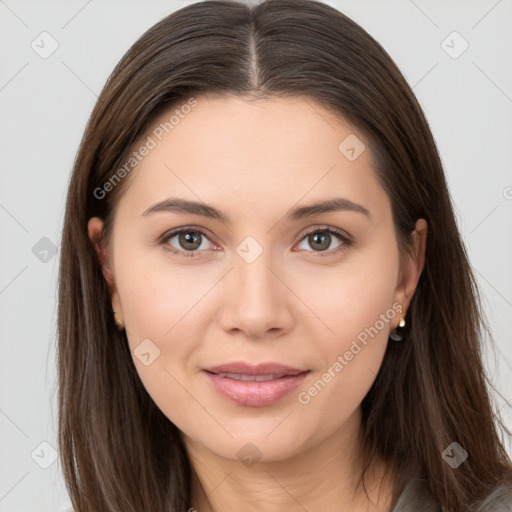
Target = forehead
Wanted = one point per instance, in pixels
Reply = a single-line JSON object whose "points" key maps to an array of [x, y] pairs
{"points": [[243, 152]]}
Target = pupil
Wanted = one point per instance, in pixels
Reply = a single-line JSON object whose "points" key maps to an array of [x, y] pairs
{"points": [[325, 236], [189, 240]]}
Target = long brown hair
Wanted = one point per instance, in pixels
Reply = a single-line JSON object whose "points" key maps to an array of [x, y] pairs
{"points": [[118, 450]]}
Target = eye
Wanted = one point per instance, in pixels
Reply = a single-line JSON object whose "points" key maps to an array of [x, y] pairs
{"points": [[189, 240], [320, 239]]}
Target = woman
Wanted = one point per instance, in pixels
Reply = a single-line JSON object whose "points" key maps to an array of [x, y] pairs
{"points": [[264, 300]]}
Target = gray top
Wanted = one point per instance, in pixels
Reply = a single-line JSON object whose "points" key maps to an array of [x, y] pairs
{"points": [[416, 498]]}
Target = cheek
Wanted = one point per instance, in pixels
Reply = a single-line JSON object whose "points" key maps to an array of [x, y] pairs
{"points": [[353, 298], [164, 306], [156, 291], [357, 306], [166, 309], [160, 312]]}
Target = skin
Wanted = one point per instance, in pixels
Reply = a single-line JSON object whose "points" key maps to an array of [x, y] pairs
{"points": [[255, 160]]}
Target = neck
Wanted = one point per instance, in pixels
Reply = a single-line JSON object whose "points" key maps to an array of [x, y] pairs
{"points": [[324, 477]]}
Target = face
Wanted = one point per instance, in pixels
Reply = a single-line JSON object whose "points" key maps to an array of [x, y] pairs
{"points": [[259, 281]]}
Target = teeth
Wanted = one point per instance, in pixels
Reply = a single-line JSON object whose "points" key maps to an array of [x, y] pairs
{"points": [[257, 378]]}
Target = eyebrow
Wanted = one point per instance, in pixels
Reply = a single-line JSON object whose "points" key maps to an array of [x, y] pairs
{"points": [[176, 205]]}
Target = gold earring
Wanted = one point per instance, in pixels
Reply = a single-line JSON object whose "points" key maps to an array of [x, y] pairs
{"points": [[118, 322], [395, 335]]}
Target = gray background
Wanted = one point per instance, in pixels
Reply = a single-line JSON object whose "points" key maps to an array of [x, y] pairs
{"points": [[45, 103]]}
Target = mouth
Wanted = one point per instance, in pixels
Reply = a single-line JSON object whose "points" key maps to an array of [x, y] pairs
{"points": [[266, 369], [254, 386], [251, 378]]}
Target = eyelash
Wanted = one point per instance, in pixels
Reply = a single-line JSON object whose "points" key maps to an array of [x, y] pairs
{"points": [[347, 242]]}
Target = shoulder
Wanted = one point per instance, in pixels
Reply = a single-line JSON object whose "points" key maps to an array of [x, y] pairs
{"points": [[416, 496], [499, 500]]}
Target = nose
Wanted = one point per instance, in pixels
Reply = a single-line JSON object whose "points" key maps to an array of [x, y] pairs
{"points": [[256, 300]]}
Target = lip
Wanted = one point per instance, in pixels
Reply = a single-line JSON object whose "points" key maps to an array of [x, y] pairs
{"points": [[255, 393], [259, 369]]}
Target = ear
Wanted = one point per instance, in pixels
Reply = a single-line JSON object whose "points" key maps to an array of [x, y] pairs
{"points": [[95, 228], [412, 266]]}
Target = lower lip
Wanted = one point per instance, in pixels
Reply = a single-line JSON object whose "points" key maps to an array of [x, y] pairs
{"points": [[252, 393]]}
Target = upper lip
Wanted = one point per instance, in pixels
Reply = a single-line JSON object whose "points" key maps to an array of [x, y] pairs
{"points": [[239, 367]]}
